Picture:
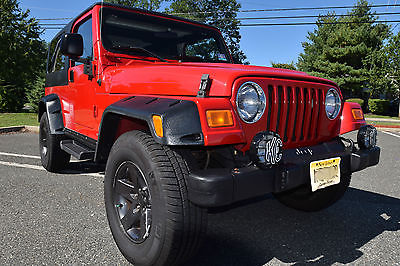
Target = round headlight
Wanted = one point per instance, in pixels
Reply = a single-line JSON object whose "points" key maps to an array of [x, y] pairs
{"points": [[250, 102], [332, 104]]}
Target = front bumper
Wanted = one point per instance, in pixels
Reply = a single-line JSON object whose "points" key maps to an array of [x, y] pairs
{"points": [[220, 187]]}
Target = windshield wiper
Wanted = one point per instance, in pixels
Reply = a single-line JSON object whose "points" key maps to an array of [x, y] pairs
{"points": [[138, 49]]}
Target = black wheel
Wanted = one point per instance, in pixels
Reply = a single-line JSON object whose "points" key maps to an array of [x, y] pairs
{"points": [[150, 217], [303, 199], [53, 158]]}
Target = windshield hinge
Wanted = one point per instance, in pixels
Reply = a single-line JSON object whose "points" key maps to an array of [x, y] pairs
{"points": [[204, 85]]}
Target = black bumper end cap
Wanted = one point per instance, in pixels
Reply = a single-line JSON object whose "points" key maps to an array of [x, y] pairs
{"points": [[362, 159]]}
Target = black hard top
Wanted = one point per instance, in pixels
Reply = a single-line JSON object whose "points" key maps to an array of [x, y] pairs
{"points": [[69, 25]]}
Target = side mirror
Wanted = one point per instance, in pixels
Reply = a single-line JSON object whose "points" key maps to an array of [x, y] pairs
{"points": [[72, 45]]}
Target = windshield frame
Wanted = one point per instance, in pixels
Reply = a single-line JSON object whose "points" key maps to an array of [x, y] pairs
{"points": [[214, 32]]}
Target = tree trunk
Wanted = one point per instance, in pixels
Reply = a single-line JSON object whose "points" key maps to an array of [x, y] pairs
{"points": [[399, 108]]}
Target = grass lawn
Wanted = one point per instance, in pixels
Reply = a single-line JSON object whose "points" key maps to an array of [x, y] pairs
{"points": [[380, 116], [382, 123], [18, 119]]}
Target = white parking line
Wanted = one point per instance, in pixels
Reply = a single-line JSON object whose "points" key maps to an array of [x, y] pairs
{"points": [[20, 155], [36, 167], [391, 134], [22, 165]]}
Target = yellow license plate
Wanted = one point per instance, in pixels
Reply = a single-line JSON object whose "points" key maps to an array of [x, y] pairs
{"points": [[324, 173]]}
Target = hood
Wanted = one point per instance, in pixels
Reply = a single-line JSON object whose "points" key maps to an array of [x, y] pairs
{"points": [[183, 79]]}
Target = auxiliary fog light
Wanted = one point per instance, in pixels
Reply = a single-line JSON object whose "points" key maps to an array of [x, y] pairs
{"points": [[366, 137], [266, 149]]}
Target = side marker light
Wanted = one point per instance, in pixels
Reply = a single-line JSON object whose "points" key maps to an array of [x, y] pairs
{"points": [[157, 122]]}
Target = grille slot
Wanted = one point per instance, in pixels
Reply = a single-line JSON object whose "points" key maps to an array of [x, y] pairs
{"points": [[294, 112], [289, 106]]}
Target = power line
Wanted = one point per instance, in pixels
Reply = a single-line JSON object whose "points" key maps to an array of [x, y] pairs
{"points": [[258, 10], [270, 18], [266, 18], [53, 24], [284, 24], [286, 9], [40, 19], [313, 23], [313, 16]]}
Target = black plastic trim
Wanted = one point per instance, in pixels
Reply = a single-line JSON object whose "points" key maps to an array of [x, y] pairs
{"points": [[365, 158], [181, 121], [52, 106], [76, 149], [221, 187], [58, 78], [80, 138]]}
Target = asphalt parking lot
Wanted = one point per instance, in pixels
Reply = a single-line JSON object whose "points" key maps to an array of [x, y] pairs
{"points": [[50, 218]]}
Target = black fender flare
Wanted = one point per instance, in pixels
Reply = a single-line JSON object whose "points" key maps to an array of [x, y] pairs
{"points": [[51, 105], [181, 121]]}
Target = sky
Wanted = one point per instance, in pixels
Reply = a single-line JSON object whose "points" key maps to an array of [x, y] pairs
{"points": [[262, 44]]}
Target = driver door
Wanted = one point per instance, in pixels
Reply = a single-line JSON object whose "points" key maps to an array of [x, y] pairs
{"points": [[82, 85]]}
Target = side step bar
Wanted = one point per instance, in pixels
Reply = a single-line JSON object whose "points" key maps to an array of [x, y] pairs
{"points": [[79, 151]]}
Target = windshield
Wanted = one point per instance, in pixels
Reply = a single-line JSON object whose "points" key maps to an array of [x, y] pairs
{"points": [[123, 31]]}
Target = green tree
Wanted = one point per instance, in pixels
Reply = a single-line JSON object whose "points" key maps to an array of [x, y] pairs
{"points": [[145, 4], [290, 66], [218, 13], [392, 51], [35, 94], [347, 50], [22, 54]]}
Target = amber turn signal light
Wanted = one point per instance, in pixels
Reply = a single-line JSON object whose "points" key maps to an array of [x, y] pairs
{"points": [[157, 121], [219, 118], [357, 114]]}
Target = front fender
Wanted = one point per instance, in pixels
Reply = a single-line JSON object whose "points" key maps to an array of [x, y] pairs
{"points": [[348, 121], [181, 121], [51, 105]]}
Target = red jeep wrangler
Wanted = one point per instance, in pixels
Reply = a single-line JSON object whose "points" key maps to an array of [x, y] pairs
{"points": [[182, 129]]}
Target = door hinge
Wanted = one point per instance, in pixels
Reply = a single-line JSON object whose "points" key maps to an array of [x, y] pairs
{"points": [[95, 113], [88, 70], [71, 76]]}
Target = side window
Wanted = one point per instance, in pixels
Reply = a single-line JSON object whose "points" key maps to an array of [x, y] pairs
{"points": [[56, 60], [85, 29]]}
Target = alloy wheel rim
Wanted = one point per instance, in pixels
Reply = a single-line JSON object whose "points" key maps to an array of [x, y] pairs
{"points": [[132, 201]]}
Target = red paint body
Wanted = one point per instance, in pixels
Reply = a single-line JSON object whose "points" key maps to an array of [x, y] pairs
{"points": [[84, 101], [348, 122]]}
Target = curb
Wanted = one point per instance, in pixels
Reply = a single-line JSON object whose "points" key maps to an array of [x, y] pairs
{"points": [[33, 129], [383, 120], [18, 129], [382, 126]]}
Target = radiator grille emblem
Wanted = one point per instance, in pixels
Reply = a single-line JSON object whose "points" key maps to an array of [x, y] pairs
{"points": [[273, 152]]}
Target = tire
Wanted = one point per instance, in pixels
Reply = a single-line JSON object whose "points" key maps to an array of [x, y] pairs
{"points": [[142, 173], [303, 199], [53, 158]]}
